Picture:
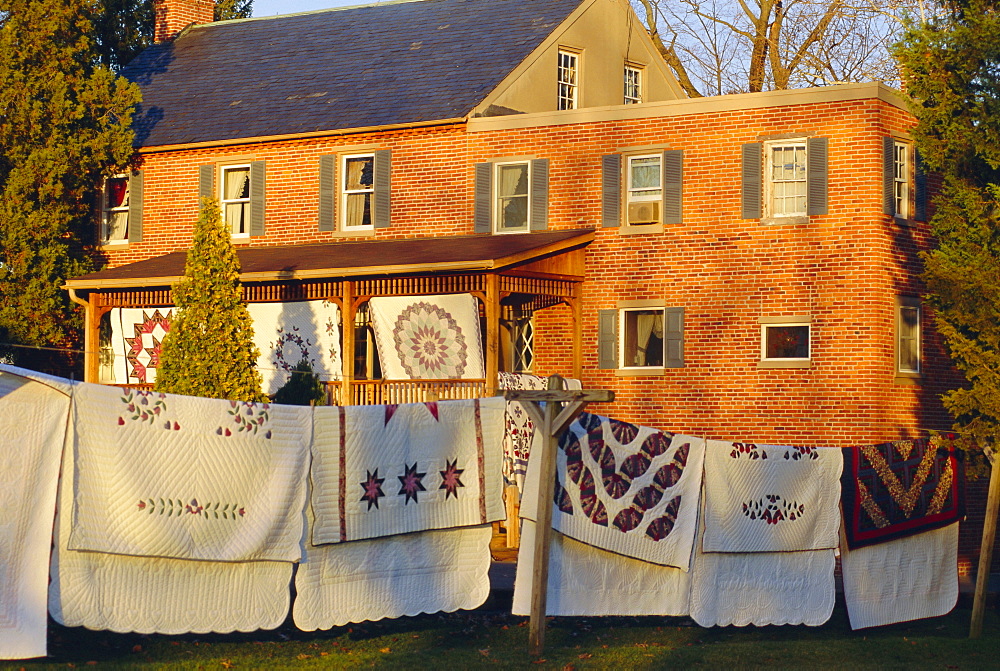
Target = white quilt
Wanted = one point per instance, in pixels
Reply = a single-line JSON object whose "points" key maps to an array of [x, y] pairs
{"points": [[519, 430], [163, 475], [762, 588], [426, 572], [33, 414], [380, 470], [903, 579], [585, 580], [165, 596], [286, 333], [626, 489], [766, 498], [136, 336], [428, 337]]}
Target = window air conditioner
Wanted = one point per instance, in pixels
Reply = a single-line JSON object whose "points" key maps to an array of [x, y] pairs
{"points": [[644, 213]]}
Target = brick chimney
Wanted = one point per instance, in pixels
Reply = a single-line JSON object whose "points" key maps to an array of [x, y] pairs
{"points": [[173, 16]]}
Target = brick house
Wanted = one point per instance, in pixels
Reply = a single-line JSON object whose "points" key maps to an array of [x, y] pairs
{"points": [[739, 267]]}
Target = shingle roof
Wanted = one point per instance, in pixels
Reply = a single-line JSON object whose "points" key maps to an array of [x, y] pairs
{"points": [[355, 67], [362, 258]]}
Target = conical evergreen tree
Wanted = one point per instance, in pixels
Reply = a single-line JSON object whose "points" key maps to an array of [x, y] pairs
{"points": [[209, 350], [950, 65]]}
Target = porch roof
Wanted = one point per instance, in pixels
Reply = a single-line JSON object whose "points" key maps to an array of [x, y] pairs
{"points": [[460, 253]]}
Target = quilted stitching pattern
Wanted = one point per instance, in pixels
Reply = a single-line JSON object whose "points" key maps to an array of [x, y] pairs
{"points": [[188, 478]]}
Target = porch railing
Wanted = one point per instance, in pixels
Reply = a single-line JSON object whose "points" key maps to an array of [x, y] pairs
{"points": [[381, 392]]}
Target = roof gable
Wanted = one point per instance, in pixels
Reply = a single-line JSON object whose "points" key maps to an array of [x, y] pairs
{"points": [[355, 67]]}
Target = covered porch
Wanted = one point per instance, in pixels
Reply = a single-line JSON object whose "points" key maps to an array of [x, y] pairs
{"points": [[511, 276]]}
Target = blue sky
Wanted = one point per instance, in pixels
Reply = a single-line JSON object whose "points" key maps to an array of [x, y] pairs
{"points": [[272, 7]]}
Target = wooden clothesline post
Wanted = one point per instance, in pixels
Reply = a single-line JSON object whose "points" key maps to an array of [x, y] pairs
{"points": [[552, 411], [986, 550]]}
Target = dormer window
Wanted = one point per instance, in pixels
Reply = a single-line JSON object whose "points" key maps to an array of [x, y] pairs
{"points": [[568, 79], [633, 85]]}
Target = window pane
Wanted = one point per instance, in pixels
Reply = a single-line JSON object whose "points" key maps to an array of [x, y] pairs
{"points": [[642, 338], [237, 183], [117, 226], [909, 321], [787, 342], [514, 212], [236, 217], [359, 209], [358, 173], [645, 172], [513, 180], [116, 192]]}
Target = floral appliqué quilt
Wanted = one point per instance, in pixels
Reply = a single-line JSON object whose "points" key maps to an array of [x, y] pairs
{"points": [[626, 489]]}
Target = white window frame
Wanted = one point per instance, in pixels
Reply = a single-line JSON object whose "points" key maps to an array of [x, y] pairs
{"points": [[223, 201], [633, 84], [498, 199], [567, 79], [902, 175], [766, 324], [771, 184], [622, 320], [346, 192], [908, 303], [108, 212]]}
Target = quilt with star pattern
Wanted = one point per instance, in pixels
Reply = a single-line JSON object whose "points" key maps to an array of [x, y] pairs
{"points": [[381, 470], [899, 489]]}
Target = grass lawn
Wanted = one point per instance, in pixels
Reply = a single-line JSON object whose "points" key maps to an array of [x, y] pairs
{"points": [[490, 638]]}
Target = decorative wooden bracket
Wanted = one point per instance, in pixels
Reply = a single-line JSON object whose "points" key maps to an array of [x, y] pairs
{"points": [[552, 410]]}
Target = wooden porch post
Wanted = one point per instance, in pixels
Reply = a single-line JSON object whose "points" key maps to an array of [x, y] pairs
{"points": [[492, 332], [91, 337], [348, 311]]}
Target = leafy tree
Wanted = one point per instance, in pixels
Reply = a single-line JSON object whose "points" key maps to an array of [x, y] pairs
{"points": [[303, 387], [951, 65], [63, 123], [123, 28], [209, 350]]}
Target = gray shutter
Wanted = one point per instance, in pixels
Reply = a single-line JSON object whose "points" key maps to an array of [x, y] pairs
{"points": [[539, 194], [135, 206], [607, 338], [483, 216], [751, 181], [888, 176], [817, 175], [611, 190], [257, 199], [673, 338], [380, 208], [206, 181], [327, 191], [919, 188], [673, 186]]}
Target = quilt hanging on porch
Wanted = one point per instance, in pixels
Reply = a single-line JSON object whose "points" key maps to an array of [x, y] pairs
{"points": [[768, 498], [286, 333], [155, 595], [164, 475], [33, 413], [897, 489], [624, 488], [136, 338], [428, 337], [381, 470]]}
